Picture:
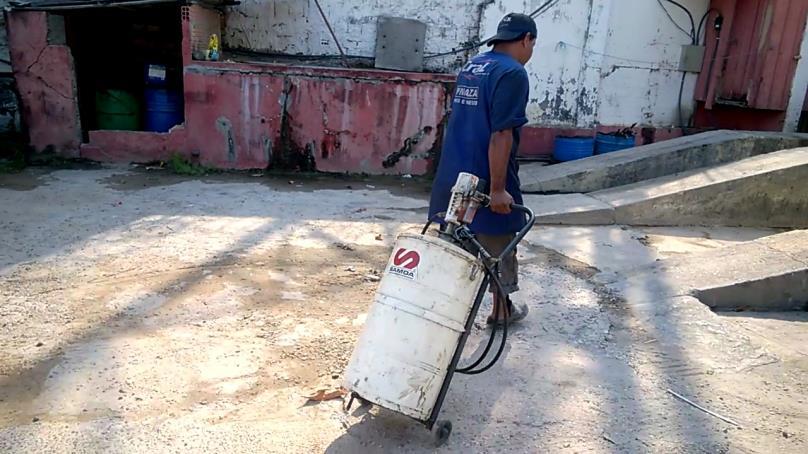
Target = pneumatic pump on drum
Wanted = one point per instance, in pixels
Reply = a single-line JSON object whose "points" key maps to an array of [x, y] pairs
{"points": [[424, 310]]}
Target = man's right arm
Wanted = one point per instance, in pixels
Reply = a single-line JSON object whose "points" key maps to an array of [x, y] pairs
{"points": [[499, 152], [507, 112]]}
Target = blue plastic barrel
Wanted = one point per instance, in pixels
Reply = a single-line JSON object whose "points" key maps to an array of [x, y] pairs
{"points": [[572, 148], [606, 143], [156, 75], [163, 109]]}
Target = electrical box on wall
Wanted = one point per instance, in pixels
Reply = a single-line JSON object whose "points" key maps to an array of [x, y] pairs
{"points": [[691, 59], [400, 44]]}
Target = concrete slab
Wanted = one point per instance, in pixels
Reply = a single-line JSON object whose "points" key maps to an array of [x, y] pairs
{"points": [[783, 331], [623, 249], [753, 261], [655, 160], [678, 241], [792, 245], [569, 209], [786, 292], [607, 248], [142, 301], [763, 191]]}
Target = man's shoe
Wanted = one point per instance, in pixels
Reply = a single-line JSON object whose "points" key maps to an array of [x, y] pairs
{"points": [[517, 312]]}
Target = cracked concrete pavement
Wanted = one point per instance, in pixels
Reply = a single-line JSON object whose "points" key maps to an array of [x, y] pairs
{"points": [[144, 312]]}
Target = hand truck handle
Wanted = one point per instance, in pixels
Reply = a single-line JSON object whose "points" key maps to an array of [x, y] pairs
{"points": [[531, 219]]}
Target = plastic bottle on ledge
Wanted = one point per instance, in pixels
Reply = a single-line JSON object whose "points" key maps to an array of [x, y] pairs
{"points": [[213, 48]]}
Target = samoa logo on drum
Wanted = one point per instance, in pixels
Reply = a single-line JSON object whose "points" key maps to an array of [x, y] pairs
{"points": [[405, 263]]}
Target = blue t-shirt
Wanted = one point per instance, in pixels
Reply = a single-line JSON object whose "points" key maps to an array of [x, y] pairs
{"points": [[491, 95]]}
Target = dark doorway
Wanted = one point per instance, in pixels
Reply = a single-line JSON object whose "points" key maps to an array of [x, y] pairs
{"points": [[127, 59]]}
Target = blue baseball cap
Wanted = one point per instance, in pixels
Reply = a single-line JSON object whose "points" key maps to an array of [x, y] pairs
{"points": [[512, 27]]}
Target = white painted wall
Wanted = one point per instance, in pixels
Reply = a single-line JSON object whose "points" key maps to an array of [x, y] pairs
{"points": [[555, 70], [296, 27], [610, 62], [796, 101], [646, 90]]}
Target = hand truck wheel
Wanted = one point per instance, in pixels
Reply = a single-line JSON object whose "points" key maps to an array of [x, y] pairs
{"points": [[441, 432]]}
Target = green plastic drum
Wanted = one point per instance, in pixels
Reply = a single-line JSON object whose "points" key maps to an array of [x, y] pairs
{"points": [[117, 110]]}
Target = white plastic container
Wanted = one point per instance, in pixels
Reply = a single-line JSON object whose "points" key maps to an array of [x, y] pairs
{"points": [[414, 325]]}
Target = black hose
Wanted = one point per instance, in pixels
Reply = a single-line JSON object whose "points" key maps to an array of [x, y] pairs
{"points": [[503, 297], [701, 23], [487, 349], [431, 221], [496, 358], [469, 370], [690, 15], [493, 274], [333, 35], [541, 9], [694, 40]]}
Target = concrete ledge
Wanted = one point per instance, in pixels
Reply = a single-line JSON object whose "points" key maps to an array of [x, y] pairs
{"points": [[654, 161], [763, 191], [783, 292], [569, 209], [769, 275], [793, 244]]}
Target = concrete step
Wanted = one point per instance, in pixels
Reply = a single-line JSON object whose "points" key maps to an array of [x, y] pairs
{"points": [[762, 191], [770, 273], [653, 161]]}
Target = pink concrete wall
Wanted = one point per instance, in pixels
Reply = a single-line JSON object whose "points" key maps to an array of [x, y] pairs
{"points": [[326, 119], [233, 119], [46, 82], [240, 116], [365, 125], [134, 146]]}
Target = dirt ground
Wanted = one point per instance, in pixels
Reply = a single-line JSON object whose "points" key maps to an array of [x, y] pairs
{"points": [[146, 312]]}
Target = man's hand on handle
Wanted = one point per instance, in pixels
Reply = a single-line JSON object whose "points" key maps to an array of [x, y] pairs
{"points": [[501, 202]]}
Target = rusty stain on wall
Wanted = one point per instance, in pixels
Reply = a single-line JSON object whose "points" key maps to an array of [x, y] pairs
{"points": [[434, 152], [586, 102], [554, 104], [266, 143], [331, 143], [291, 155], [407, 148], [224, 126], [581, 100], [324, 119]]}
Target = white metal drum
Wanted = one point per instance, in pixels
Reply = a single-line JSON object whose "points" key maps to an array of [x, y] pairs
{"points": [[414, 325]]}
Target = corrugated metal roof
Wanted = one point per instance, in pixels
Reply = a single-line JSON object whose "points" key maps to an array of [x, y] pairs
{"points": [[87, 4]]}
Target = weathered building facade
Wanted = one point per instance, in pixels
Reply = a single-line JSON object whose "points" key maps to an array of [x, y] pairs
{"points": [[279, 97], [598, 63], [235, 114], [9, 104]]}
